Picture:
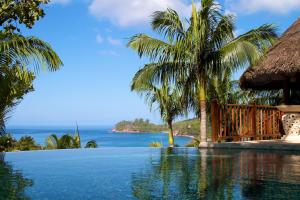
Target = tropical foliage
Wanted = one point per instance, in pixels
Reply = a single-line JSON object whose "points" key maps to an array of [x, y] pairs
{"points": [[67, 141], [7, 143], [185, 127], [63, 142], [194, 52], [15, 82], [18, 53], [25, 12], [27, 143], [137, 125], [166, 98], [91, 144]]}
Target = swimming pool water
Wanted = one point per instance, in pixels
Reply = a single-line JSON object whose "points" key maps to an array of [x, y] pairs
{"points": [[149, 173]]}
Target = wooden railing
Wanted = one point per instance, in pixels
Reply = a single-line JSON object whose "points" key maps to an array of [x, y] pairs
{"points": [[245, 122]]}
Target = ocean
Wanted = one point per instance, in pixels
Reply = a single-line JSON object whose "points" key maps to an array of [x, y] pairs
{"points": [[102, 135]]}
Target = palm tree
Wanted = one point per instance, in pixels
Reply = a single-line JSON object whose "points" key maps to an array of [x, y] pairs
{"points": [[15, 82], [17, 53], [15, 48], [67, 142], [167, 98], [64, 142], [194, 50]]}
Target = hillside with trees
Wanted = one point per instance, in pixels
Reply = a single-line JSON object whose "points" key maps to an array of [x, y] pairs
{"points": [[186, 127]]}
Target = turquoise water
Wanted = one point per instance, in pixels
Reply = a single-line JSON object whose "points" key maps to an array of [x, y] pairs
{"points": [[146, 173], [103, 136]]}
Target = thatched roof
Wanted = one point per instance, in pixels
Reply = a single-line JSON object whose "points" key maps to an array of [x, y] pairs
{"points": [[282, 63]]}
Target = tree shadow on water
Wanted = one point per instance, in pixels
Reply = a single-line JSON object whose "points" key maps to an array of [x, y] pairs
{"points": [[12, 182], [217, 174]]}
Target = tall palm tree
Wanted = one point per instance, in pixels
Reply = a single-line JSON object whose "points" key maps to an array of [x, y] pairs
{"points": [[167, 98], [194, 50]]}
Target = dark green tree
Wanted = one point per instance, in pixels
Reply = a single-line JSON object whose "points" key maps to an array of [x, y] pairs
{"points": [[23, 12]]}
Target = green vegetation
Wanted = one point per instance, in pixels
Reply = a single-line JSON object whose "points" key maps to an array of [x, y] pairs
{"points": [[199, 54], [166, 98], [67, 141], [18, 53], [91, 144], [186, 127], [15, 82], [20, 12], [26, 143], [7, 143], [156, 144], [138, 125]]}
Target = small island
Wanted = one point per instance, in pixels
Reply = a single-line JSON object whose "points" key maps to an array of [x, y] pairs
{"points": [[181, 128]]}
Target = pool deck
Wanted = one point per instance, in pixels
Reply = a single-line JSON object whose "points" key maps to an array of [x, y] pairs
{"points": [[260, 145]]}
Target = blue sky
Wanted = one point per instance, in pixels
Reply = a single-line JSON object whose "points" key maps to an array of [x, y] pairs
{"points": [[90, 37]]}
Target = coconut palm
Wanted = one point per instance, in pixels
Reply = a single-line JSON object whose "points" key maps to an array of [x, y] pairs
{"points": [[196, 49], [26, 51], [64, 142], [15, 82], [167, 98], [17, 53], [67, 142]]}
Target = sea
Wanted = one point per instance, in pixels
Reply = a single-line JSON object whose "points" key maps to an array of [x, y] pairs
{"points": [[104, 136]]}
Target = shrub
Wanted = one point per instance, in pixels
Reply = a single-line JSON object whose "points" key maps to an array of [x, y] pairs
{"points": [[91, 144], [27, 143], [7, 143]]}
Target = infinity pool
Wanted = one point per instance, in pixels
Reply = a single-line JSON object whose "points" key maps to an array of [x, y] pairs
{"points": [[146, 173]]}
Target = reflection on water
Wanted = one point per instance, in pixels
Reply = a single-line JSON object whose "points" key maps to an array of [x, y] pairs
{"points": [[12, 182], [218, 174], [144, 173]]}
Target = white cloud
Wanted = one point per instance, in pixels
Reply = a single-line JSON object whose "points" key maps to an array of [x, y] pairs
{"points": [[275, 6], [108, 53], [64, 2], [114, 42], [134, 12], [99, 38]]}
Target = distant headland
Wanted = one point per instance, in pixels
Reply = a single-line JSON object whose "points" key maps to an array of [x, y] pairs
{"points": [[181, 128]]}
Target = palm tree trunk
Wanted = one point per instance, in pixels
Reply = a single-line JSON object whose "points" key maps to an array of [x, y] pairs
{"points": [[202, 107], [171, 135]]}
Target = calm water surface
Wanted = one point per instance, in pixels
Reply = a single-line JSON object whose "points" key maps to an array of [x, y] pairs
{"points": [[146, 173], [103, 136]]}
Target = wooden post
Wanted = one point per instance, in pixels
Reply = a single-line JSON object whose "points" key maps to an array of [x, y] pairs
{"points": [[215, 120], [253, 120]]}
